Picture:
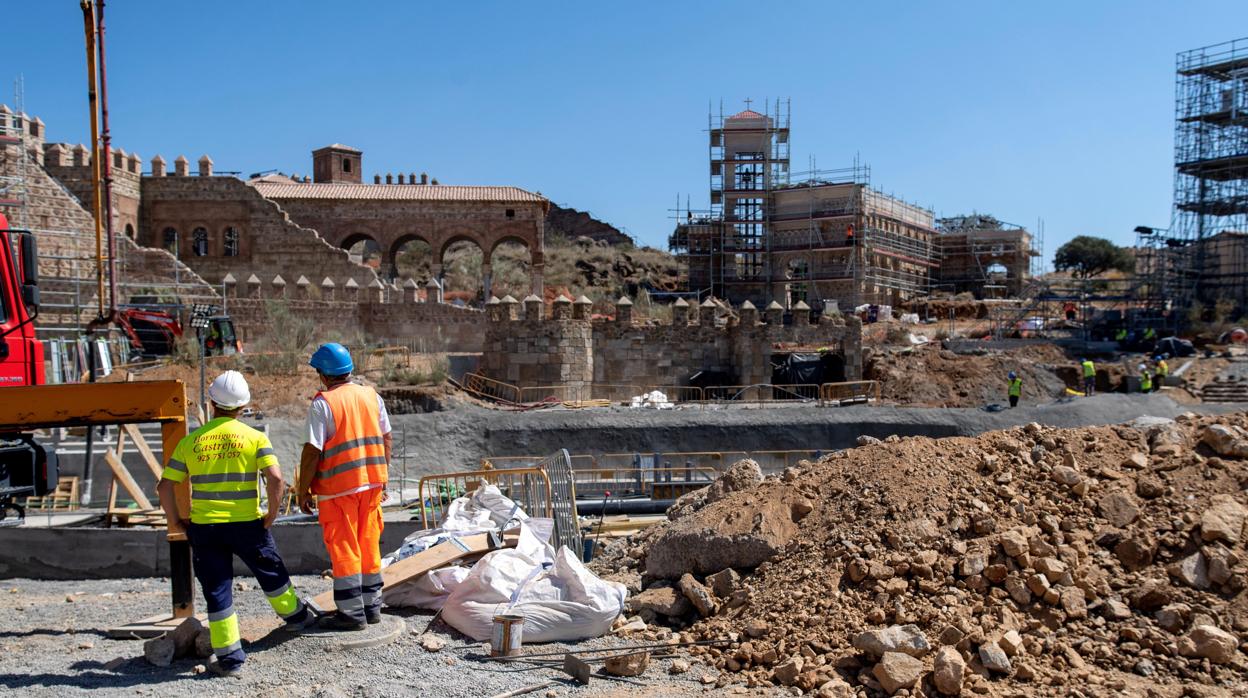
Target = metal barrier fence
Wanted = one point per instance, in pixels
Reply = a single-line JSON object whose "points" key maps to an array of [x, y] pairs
{"points": [[658, 474], [822, 395], [529, 487]]}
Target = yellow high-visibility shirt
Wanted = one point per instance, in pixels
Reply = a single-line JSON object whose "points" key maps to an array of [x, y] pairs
{"points": [[223, 458]]}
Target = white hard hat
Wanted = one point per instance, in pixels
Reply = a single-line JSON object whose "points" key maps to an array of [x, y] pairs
{"points": [[230, 390]]}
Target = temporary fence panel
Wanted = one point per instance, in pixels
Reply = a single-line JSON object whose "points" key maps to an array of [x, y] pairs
{"points": [[529, 487], [558, 466]]}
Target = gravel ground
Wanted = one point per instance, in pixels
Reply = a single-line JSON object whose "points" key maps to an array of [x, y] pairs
{"points": [[52, 635]]}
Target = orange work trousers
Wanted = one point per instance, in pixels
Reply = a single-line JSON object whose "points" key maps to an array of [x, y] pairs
{"points": [[352, 528]]}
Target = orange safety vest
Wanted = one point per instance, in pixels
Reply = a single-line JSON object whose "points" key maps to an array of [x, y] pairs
{"points": [[355, 455]]}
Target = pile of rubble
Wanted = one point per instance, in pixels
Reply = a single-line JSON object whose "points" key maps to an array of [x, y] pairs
{"points": [[1088, 561]]}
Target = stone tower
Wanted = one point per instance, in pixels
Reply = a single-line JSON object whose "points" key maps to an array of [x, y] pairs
{"points": [[337, 164]]}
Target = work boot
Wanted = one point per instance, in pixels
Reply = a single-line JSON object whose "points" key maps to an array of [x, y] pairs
{"points": [[342, 621], [227, 670], [372, 615], [311, 617]]}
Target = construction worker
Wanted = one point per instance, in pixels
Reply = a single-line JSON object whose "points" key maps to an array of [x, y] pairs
{"points": [[1121, 335], [1015, 388], [1163, 370], [223, 459], [1146, 379], [342, 474], [1089, 376]]}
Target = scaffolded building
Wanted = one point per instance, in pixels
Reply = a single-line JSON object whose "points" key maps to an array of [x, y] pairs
{"points": [[1204, 259], [985, 256], [820, 237]]}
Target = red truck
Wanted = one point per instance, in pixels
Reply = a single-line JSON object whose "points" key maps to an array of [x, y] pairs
{"points": [[21, 355]]}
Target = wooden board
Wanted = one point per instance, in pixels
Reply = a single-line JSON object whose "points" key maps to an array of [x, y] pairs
{"points": [[154, 626], [144, 450], [127, 480], [438, 556]]}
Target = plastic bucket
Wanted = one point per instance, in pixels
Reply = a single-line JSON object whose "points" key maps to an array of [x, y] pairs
{"points": [[507, 635]]}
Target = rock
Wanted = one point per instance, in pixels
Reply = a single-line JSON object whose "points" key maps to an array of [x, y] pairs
{"points": [[1017, 589], [628, 665], [724, 582], [1011, 643], [835, 688], [198, 669], [1212, 643], [800, 508], [1225, 441], [1051, 567], [698, 595], [907, 639], [1151, 595], [665, 601], [203, 643], [1172, 617], [1135, 553], [1223, 519], [679, 666], [786, 672], [743, 475], [241, 585], [1191, 570], [865, 440], [994, 658], [974, 563], [432, 643], [948, 670], [1119, 507], [1038, 584], [159, 651], [1014, 542], [636, 625], [1116, 610], [1136, 461], [896, 671], [757, 628], [1066, 476], [1149, 488], [1073, 603]]}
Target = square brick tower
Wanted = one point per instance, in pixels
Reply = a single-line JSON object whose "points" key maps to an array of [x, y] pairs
{"points": [[337, 164]]}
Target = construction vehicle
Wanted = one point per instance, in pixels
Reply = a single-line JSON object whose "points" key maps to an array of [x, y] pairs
{"points": [[154, 331], [27, 468]]}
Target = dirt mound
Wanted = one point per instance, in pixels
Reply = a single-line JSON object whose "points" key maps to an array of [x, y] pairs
{"points": [[929, 376], [1034, 560]]}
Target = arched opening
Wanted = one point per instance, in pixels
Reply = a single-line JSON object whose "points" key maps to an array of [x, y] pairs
{"points": [[199, 242], [231, 241], [511, 269], [169, 241], [130, 231], [363, 249], [411, 258], [461, 271]]}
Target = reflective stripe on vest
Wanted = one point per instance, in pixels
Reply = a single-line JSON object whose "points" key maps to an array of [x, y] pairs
{"points": [[355, 455]]}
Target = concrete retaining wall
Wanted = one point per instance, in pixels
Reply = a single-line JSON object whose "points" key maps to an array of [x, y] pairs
{"points": [[99, 553]]}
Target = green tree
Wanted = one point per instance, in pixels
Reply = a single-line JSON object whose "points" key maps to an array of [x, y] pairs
{"points": [[1086, 256]]}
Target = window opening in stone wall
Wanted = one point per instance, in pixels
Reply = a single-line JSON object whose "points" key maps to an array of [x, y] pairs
{"points": [[231, 242], [199, 242], [170, 241], [511, 213], [130, 231], [346, 164]]}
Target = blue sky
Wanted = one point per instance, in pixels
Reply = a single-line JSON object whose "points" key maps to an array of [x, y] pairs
{"points": [[1055, 110]]}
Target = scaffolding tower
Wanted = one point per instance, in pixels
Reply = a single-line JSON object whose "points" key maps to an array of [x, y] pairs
{"points": [[818, 235], [1203, 260]]}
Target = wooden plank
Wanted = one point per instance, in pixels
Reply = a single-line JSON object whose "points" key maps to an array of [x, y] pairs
{"points": [[127, 480], [438, 556], [154, 626], [146, 451]]}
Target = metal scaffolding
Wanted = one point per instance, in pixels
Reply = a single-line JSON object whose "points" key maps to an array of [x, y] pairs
{"points": [[1204, 259]]}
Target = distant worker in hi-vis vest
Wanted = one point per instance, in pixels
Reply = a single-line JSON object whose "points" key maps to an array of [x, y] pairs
{"points": [[1014, 388], [342, 474], [223, 460]]}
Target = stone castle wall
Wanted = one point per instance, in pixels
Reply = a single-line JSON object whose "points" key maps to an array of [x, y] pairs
{"points": [[526, 349]]}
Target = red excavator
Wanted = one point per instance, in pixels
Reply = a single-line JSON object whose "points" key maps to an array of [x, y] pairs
{"points": [[154, 331]]}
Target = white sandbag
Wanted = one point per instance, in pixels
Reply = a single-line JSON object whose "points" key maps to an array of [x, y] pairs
{"points": [[558, 596], [486, 509], [427, 591]]}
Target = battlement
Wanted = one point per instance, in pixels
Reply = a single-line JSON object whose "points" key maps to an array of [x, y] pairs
{"points": [[529, 343]]}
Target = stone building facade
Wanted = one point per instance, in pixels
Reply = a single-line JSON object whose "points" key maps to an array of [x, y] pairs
{"points": [[526, 347]]}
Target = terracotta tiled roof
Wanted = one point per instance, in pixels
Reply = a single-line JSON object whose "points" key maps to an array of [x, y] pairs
{"points": [[748, 114], [396, 192]]}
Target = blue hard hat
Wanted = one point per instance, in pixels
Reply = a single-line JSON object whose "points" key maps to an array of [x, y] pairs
{"points": [[332, 359], [1013, 375]]}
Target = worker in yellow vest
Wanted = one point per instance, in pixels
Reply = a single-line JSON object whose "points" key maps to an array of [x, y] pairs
{"points": [[1015, 388], [1089, 376], [343, 474], [1146, 379], [223, 460], [1163, 370]]}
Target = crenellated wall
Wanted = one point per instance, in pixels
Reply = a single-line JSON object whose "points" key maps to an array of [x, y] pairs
{"points": [[526, 348]]}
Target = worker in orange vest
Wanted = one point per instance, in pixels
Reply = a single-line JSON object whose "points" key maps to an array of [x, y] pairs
{"points": [[342, 475]]}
